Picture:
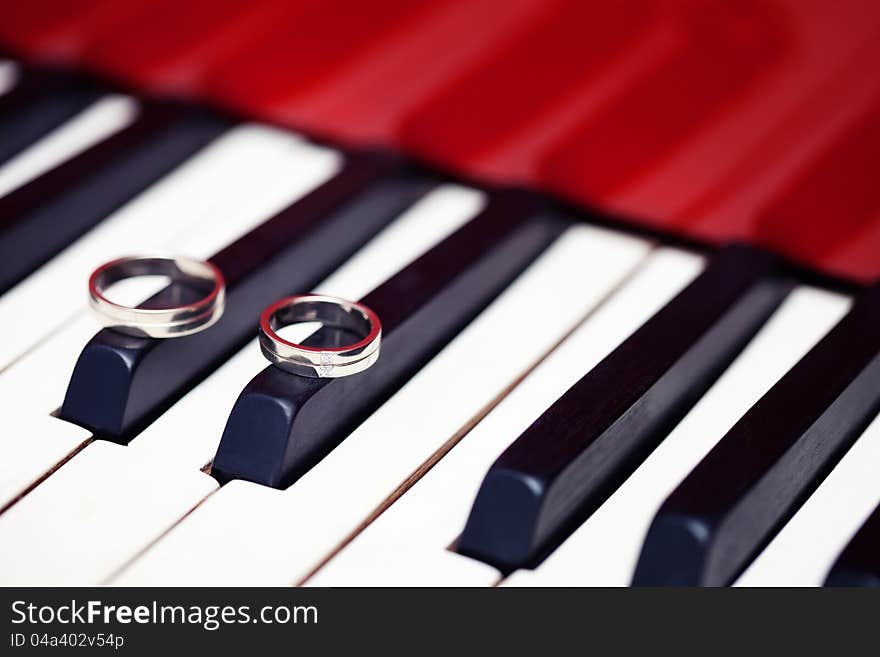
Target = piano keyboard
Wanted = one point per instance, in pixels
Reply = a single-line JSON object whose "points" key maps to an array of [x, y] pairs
{"points": [[558, 402]]}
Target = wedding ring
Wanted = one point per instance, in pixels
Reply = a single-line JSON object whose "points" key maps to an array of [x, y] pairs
{"points": [[321, 362], [171, 322]]}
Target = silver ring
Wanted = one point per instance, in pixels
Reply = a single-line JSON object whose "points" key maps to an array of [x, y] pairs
{"points": [[171, 322], [321, 362]]}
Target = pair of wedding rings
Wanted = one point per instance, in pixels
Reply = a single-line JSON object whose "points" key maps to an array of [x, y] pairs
{"points": [[204, 281]]}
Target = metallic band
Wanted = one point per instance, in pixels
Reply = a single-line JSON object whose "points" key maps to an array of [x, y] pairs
{"points": [[321, 362], [172, 322]]}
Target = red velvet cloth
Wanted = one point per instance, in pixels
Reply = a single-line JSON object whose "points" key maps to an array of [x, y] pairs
{"points": [[755, 119]]}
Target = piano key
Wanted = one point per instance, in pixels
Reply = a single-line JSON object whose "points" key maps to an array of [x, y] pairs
{"points": [[413, 428], [407, 543], [756, 477], [121, 383], [41, 100], [604, 550], [60, 30], [63, 547], [200, 193], [804, 550], [583, 447], [48, 441], [103, 118], [422, 308], [235, 184], [9, 73], [40, 219], [858, 564], [183, 439]]}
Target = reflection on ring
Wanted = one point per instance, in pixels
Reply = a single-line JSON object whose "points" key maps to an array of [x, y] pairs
{"points": [[321, 362]]}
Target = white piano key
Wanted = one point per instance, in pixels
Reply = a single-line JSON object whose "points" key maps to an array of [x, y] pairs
{"points": [[9, 73], [318, 512], [77, 527], [204, 191], [412, 537], [604, 550], [804, 550], [435, 566], [40, 442], [180, 442], [35, 387], [102, 119], [35, 384]]}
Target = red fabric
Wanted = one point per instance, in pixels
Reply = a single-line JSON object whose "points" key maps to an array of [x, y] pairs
{"points": [[756, 119]]}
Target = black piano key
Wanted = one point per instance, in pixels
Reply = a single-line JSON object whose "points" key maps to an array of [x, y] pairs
{"points": [[42, 217], [41, 101], [121, 383], [756, 477], [859, 563], [593, 437], [282, 424]]}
